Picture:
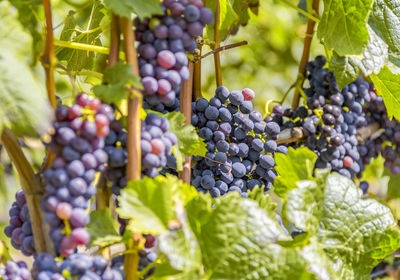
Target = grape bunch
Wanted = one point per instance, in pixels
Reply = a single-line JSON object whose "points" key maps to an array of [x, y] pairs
{"points": [[77, 143], [156, 145], [15, 271], [76, 266], [20, 227], [240, 144], [163, 41], [330, 120], [387, 143]]}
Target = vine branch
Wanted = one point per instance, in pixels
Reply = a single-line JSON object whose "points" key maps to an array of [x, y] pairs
{"points": [[217, 58], [48, 55], [32, 187], [186, 109], [131, 260], [301, 11], [306, 53], [224, 48]]}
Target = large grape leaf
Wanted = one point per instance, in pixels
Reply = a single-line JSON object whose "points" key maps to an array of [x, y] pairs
{"points": [[386, 15], [343, 25], [296, 165], [237, 240], [142, 8], [23, 105], [346, 68], [81, 59], [349, 228], [387, 85]]}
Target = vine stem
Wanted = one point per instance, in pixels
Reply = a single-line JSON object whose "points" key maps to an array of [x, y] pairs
{"points": [[32, 187], [306, 53], [217, 58], [85, 47], [197, 77], [48, 65], [48, 55], [186, 108], [103, 192], [131, 259], [290, 135], [224, 48]]}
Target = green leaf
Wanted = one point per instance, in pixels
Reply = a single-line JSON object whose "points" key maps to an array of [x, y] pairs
{"points": [[81, 59], [229, 19], [386, 15], [27, 15], [117, 79], [148, 203], [346, 68], [348, 227], [183, 253], [387, 85], [374, 169], [237, 242], [142, 8], [23, 106], [393, 189], [102, 229], [296, 165], [343, 25]]}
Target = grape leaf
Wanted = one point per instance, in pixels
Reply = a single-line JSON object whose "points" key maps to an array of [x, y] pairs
{"points": [[149, 203], [343, 25], [387, 85], [237, 241], [296, 165], [23, 105], [333, 209], [116, 80], [386, 15], [102, 229], [373, 59], [27, 15], [81, 59], [142, 8], [393, 190], [345, 68]]}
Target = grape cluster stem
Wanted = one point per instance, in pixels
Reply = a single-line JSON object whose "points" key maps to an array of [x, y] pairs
{"points": [[305, 56]]}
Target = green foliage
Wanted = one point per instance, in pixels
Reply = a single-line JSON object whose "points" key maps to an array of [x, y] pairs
{"points": [[386, 15], [117, 80], [346, 68], [23, 107], [342, 25], [27, 15], [296, 165], [232, 14], [387, 85], [142, 8], [102, 228], [333, 209], [81, 59], [149, 204]]}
